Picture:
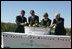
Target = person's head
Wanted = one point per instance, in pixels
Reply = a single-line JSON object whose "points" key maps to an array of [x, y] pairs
{"points": [[22, 12], [45, 15], [57, 15], [32, 12]]}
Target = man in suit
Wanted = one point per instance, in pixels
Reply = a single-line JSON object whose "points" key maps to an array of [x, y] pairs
{"points": [[59, 21], [33, 19], [21, 22]]}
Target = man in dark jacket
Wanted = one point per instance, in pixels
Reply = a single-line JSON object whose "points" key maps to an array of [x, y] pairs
{"points": [[21, 22], [59, 29], [33, 19]]}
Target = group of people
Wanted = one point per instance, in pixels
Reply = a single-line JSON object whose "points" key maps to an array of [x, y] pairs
{"points": [[33, 20]]}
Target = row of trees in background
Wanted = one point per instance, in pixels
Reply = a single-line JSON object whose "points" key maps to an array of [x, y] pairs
{"points": [[10, 27]]}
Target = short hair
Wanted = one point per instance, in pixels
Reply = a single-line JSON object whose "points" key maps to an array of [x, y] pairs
{"points": [[57, 14], [45, 14], [32, 11], [23, 11]]}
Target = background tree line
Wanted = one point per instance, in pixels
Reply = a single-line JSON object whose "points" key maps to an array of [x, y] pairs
{"points": [[10, 27]]}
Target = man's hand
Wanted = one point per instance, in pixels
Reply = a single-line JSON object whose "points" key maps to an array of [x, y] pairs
{"points": [[51, 26], [29, 25], [25, 23], [22, 23], [34, 25]]}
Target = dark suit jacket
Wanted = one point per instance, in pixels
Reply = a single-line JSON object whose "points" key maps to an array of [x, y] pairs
{"points": [[20, 28], [32, 20], [59, 30]]}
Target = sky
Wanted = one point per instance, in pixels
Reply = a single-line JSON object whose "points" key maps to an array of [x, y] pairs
{"points": [[11, 9]]}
